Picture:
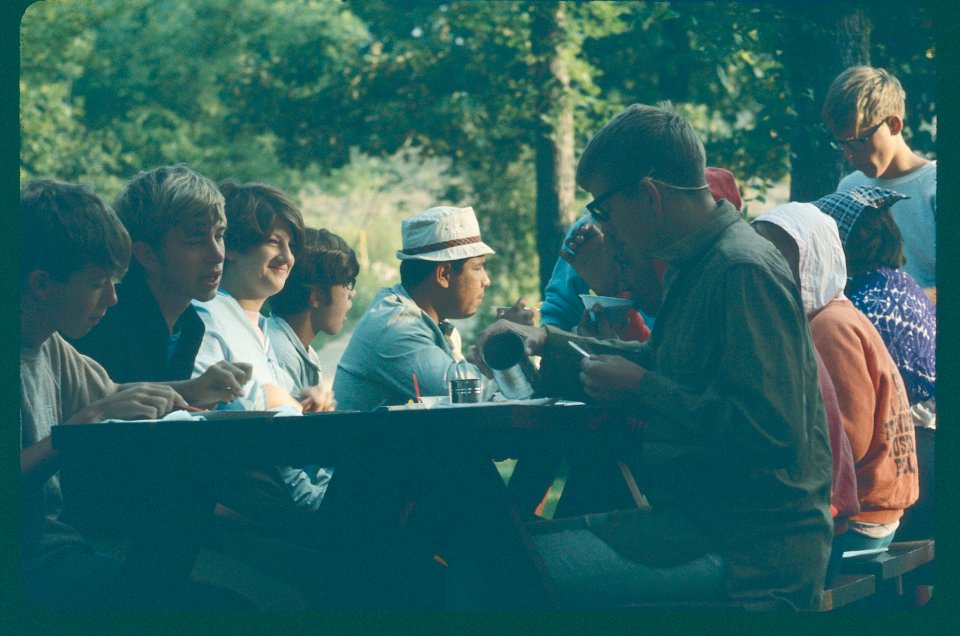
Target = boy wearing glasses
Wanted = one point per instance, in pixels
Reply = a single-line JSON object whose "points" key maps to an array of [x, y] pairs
{"points": [[316, 298], [586, 263], [864, 110], [735, 458]]}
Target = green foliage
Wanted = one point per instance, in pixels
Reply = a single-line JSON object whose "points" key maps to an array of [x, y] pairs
{"points": [[375, 110], [906, 47], [55, 140]]}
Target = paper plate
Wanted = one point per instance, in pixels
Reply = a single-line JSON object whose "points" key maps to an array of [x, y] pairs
{"points": [[863, 555]]}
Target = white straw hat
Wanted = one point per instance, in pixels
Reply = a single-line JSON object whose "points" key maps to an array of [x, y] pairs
{"points": [[442, 234]]}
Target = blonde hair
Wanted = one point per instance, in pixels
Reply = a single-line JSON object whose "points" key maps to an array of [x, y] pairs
{"points": [[861, 97], [154, 201]]}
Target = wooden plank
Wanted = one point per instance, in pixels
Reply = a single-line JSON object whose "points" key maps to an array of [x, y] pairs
{"points": [[846, 589], [901, 558], [743, 605]]}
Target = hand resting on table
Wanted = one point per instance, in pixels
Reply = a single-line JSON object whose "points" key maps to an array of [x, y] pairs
{"points": [[138, 401]]}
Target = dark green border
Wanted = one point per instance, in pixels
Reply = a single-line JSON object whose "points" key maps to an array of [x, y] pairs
{"points": [[940, 615]]}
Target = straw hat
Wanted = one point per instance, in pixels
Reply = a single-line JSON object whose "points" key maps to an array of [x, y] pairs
{"points": [[442, 234]]}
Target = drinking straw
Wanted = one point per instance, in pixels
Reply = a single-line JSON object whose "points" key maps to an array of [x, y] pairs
{"points": [[578, 348], [416, 388]]}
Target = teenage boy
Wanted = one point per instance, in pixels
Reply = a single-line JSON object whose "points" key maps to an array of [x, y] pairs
{"points": [[72, 247], [176, 222], [316, 297], [735, 459], [405, 331], [583, 256], [864, 110]]}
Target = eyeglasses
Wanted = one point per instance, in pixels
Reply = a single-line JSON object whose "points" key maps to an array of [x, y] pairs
{"points": [[859, 143], [597, 213]]}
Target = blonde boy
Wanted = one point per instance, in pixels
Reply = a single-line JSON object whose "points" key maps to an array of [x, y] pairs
{"points": [[864, 110]]}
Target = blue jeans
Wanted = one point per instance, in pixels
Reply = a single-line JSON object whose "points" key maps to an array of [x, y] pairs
{"points": [[589, 573], [80, 580], [919, 520]]}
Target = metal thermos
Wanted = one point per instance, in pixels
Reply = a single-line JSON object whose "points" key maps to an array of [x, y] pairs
{"points": [[512, 370]]}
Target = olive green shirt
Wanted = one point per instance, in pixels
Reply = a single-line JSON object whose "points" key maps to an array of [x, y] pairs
{"points": [[736, 455]]}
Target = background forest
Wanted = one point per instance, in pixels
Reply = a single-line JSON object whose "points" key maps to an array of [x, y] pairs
{"points": [[372, 111]]}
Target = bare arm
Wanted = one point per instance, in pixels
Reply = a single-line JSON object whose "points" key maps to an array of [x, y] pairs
{"points": [[129, 402], [533, 338], [141, 401], [587, 251], [279, 396], [37, 463], [518, 312], [611, 379]]}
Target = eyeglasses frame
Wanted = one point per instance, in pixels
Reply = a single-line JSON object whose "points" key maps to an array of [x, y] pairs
{"points": [[597, 213], [856, 144]]}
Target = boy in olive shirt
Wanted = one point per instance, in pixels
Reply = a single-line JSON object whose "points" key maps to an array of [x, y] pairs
{"points": [[735, 459]]}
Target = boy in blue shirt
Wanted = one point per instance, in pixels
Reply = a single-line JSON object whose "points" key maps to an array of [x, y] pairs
{"points": [[864, 110]]}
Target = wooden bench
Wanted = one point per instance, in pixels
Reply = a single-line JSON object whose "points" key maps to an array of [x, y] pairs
{"points": [[848, 589], [735, 606], [891, 566], [858, 582]]}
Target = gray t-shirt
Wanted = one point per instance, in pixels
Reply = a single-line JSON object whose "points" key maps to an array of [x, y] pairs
{"points": [[56, 381]]}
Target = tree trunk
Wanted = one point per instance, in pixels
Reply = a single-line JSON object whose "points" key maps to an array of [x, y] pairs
{"points": [[553, 144], [834, 37]]}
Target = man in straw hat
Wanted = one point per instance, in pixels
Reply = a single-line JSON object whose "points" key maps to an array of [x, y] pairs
{"points": [[405, 331]]}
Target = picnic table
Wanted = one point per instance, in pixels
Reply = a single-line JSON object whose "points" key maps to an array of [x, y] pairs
{"points": [[412, 467]]}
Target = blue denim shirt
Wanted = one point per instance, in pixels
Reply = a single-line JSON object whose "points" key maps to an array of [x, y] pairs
{"points": [[393, 340]]}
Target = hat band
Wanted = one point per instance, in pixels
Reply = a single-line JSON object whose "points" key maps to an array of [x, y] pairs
{"points": [[436, 247]]}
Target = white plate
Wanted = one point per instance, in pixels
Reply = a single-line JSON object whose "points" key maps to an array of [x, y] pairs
{"points": [[413, 406], [615, 308], [530, 402], [231, 414]]}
